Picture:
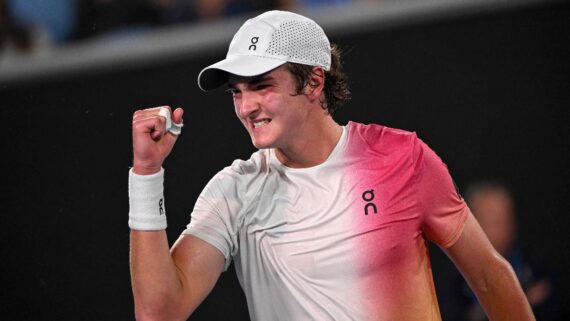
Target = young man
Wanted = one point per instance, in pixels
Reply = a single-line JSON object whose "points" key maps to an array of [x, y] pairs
{"points": [[324, 222]]}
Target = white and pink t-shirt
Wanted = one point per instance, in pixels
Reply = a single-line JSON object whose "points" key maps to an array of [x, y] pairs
{"points": [[344, 240]]}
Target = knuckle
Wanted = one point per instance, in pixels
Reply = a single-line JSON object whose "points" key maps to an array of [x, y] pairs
{"points": [[139, 114], [157, 108]]}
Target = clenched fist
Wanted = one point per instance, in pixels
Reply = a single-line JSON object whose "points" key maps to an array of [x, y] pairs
{"points": [[152, 142]]}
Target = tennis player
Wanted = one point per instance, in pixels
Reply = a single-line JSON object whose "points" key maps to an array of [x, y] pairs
{"points": [[323, 222]]}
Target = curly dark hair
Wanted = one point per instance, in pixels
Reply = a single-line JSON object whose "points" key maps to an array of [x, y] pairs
{"points": [[336, 89]]}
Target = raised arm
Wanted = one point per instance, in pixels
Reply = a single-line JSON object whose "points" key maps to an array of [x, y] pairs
{"points": [[489, 275], [167, 284]]}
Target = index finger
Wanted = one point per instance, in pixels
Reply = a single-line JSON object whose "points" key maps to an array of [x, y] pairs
{"points": [[172, 127], [150, 112]]}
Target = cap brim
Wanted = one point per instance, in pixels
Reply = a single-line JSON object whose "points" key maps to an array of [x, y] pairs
{"points": [[216, 75]]}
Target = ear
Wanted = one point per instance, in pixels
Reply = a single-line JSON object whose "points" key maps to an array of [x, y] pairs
{"points": [[316, 84]]}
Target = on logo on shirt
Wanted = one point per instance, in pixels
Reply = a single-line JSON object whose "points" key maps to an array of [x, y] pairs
{"points": [[368, 196]]}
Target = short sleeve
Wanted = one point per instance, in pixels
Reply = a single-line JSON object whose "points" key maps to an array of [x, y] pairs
{"points": [[214, 216], [443, 209]]}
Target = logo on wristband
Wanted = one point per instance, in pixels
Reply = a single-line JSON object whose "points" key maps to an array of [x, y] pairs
{"points": [[160, 208]]}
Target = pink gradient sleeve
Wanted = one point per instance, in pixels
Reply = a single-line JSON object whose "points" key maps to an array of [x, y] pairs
{"points": [[444, 210]]}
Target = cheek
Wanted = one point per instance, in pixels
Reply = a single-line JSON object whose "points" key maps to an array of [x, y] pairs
{"points": [[284, 105], [237, 109]]}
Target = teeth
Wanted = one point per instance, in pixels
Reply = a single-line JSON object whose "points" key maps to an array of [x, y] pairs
{"points": [[260, 123]]}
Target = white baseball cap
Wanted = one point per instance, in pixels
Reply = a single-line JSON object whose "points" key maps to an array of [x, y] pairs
{"points": [[266, 42]]}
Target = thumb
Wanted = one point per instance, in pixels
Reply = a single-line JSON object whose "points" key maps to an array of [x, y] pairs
{"points": [[177, 115]]}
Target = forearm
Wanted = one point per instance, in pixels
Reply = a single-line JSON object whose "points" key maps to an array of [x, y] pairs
{"points": [[157, 288], [501, 295]]}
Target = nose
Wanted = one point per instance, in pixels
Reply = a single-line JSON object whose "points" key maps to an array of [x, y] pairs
{"points": [[247, 104]]}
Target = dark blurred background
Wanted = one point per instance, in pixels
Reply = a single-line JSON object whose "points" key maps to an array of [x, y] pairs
{"points": [[486, 84]]}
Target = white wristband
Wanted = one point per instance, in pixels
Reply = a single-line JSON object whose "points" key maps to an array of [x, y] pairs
{"points": [[146, 202]]}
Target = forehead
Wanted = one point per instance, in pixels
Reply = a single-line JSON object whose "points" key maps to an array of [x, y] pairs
{"points": [[276, 74]]}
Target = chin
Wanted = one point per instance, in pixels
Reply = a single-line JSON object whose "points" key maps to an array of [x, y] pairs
{"points": [[261, 143]]}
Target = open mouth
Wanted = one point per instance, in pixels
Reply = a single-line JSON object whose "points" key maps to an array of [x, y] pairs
{"points": [[261, 123]]}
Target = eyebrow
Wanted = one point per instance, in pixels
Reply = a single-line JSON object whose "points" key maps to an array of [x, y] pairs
{"points": [[251, 80]]}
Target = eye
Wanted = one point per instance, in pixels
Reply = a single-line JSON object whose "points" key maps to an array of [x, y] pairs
{"points": [[261, 86], [232, 91]]}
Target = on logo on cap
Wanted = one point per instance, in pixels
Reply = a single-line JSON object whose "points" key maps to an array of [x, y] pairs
{"points": [[254, 41]]}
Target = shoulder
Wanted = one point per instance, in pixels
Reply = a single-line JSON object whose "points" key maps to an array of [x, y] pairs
{"points": [[380, 137], [258, 161], [241, 171]]}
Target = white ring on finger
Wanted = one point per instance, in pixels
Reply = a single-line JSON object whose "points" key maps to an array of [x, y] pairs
{"points": [[172, 127]]}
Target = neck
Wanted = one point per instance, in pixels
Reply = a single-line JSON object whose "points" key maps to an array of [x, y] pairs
{"points": [[313, 145]]}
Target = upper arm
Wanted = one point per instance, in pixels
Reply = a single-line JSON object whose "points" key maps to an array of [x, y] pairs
{"points": [[475, 257], [199, 266], [443, 210]]}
